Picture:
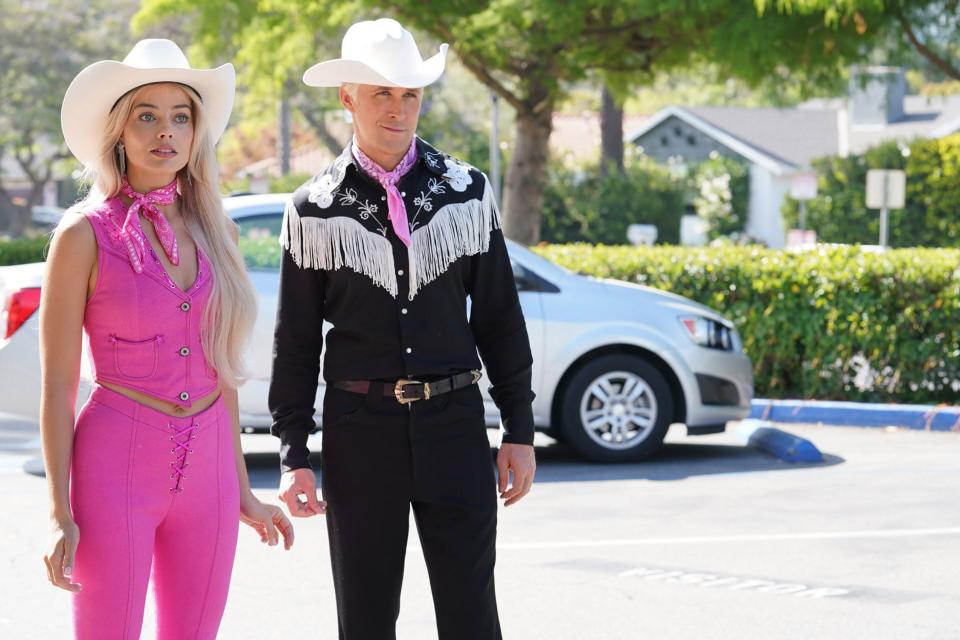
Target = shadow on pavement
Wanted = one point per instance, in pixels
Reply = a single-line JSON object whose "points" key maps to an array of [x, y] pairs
{"points": [[560, 463]]}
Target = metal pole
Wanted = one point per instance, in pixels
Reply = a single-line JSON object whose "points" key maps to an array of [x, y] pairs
{"points": [[284, 137], [803, 215], [883, 210], [494, 146]]}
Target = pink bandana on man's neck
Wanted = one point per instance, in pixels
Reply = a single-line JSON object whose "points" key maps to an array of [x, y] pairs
{"points": [[148, 204], [388, 180]]}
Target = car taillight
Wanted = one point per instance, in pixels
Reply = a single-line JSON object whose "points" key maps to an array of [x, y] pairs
{"points": [[20, 306]]}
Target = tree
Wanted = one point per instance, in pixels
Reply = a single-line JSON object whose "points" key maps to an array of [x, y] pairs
{"points": [[270, 46], [611, 132], [931, 28], [43, 45], [529, 51]]}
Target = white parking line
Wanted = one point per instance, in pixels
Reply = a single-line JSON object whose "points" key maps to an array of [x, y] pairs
{"points": [[816, 535]]}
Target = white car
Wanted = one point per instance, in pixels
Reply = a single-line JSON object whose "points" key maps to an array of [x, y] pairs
{"points": [[615, 364]]}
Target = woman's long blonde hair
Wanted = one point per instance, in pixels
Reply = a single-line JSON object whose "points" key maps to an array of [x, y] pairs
{"points": [[228, 320]]}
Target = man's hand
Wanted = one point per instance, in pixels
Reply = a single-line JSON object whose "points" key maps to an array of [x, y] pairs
{"points": [[520, 460], [301, 482]]}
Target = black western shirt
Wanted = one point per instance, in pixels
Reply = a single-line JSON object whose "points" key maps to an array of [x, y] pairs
{"points": [[396, 312]]}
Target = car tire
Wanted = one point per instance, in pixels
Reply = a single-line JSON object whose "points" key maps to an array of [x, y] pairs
{"points": [[616, 408]]}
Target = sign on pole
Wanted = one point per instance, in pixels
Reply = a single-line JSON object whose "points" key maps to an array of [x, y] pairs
{"points": [[886, 189], [803, 187]]}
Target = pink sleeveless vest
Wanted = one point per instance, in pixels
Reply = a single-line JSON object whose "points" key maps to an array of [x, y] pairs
{"points": [[144, 331]]}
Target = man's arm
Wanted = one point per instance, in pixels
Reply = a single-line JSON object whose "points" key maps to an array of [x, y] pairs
{"points": [[500, 332], [297, 345]]}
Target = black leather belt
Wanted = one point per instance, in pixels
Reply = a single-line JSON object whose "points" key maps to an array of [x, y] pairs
{"points": [[406, 391]]}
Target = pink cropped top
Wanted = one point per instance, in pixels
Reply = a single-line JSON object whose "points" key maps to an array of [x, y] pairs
{"points": [[144, 331]]}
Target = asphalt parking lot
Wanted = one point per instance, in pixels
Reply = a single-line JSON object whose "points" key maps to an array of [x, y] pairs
{"points": [[708, 540]]}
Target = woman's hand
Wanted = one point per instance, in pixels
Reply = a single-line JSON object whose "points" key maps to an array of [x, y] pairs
{"points": [[266, 519], [61, 551]]}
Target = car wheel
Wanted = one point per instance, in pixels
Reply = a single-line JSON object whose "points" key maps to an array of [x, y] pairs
{"points": [[616, 408]]}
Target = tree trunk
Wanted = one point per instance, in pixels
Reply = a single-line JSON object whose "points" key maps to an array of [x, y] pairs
{"points": [[611, 133], [527, 175]]}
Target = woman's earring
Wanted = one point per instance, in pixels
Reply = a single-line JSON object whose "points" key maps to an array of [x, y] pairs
{"points": [[122, 158]]}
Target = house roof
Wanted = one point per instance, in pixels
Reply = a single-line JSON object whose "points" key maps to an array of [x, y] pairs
{"points": [[787, 139], [792, 136]]}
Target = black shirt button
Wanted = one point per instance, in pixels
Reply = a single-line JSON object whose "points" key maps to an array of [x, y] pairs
{"points": [[184, 396], [185, 306], [184, 351]]}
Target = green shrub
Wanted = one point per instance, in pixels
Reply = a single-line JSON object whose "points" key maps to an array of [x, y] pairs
{"points": [[580, 205], [260, 252], [24, 250], [722, 188], [835, 323], [931, 217]]}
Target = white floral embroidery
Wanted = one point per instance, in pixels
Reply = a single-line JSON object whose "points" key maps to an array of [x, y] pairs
{"points": [[433, 159], [435, 186], [321, 191], [457, 175], [348, 197], [366, 212], [424, 202]]}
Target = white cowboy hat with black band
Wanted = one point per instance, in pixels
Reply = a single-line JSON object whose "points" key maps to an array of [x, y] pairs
{"points": [[95, 91], [378, 52]]}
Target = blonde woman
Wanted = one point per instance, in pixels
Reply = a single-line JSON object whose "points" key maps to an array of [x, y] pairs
{"points": [[149, 475]]}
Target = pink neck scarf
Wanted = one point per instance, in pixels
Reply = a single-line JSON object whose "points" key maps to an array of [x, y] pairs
{"points": [[388, 180], [148, 204]]}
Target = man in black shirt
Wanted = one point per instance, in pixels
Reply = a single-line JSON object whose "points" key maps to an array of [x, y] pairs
{"points": [[387, 244]]}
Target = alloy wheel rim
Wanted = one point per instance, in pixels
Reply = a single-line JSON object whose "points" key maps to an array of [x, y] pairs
{"points": [[618, 410]]}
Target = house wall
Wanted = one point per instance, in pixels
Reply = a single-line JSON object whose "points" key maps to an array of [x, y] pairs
{"points": [[764, 220], [676, 140]]}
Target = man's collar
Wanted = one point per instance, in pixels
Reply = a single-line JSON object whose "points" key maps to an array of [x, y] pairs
{"points": [[426, 154], [430, 157]]}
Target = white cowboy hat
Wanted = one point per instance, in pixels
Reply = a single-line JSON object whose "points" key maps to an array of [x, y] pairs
{"points": [[378, 52], [94, 92]]}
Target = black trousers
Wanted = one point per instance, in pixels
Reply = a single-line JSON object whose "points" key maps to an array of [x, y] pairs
{"points": [[378, 459]]}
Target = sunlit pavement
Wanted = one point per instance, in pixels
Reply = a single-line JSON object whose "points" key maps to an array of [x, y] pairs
{"points": [[708, 540]]}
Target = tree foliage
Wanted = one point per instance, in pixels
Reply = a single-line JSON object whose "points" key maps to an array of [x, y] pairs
{"points": [[529, 51], [931, 28], [43, 45]]}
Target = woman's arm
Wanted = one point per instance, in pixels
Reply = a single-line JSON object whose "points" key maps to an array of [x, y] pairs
{"points": [[265, 519], [63, 297]]}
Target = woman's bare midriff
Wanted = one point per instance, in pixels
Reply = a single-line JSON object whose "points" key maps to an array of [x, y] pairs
{"points": [[169, 408]]}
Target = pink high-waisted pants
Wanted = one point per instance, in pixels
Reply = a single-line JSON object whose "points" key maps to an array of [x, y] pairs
{"points": [[150, 490]]}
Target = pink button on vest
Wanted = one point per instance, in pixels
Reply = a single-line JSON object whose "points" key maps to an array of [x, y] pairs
{"points": [[144, 331]]}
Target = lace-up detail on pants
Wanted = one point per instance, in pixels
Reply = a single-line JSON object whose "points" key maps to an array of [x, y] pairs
{"points": [[182, 438]]}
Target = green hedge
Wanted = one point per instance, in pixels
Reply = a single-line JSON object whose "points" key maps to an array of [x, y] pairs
{"points": [[836, 323], [931, 217], [23, 250]]}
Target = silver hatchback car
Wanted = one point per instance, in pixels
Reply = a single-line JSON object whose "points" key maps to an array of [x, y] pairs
{"points": [[615, 364]]}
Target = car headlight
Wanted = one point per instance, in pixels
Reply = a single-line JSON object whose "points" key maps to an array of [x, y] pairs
{"points": [[708, 333]]}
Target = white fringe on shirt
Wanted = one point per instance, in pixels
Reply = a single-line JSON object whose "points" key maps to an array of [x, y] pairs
{"points": [[455, 230], [331, 243]]}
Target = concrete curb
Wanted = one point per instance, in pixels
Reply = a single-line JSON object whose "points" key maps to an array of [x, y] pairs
{"points": [[858, 414], [778, 443]]}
